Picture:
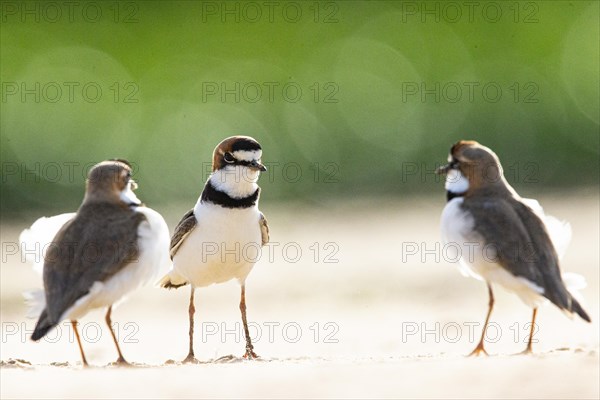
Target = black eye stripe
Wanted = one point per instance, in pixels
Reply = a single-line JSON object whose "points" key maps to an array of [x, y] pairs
{"points": [[229, 158]]}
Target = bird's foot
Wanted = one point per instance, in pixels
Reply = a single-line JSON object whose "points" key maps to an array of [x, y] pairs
{"points": [[190, 359], [121, 362], [250, 355], [478, 350]]}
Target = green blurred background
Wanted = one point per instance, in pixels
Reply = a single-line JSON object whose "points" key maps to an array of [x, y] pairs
{"points": [[367, 97]]}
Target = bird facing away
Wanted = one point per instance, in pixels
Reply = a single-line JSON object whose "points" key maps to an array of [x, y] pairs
{"points": [[503, 238], [110, 246], [225, 220]]}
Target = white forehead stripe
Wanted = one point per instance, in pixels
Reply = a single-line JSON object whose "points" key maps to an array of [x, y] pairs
{"points": [[456, 182], [246, 155]]}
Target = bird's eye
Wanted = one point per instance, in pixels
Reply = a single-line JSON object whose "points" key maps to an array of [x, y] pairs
{"points": [[228, 157]]}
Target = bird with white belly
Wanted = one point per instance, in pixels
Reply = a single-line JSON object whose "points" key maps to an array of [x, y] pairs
{"points": [[94, 257], [217, 239], [504, 239]]}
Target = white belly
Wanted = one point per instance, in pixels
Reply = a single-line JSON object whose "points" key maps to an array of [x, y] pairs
{"points": [[152, 261], [225, 244], [476, 259]]}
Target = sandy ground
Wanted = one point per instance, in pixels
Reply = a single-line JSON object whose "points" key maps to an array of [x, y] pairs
{"points": [[393, 319]]}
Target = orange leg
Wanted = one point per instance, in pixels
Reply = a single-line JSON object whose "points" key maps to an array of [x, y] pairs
{"points": [[480, 349], [528, 350], [74, 324], [250, 354], [191, 311], [121, 360]]}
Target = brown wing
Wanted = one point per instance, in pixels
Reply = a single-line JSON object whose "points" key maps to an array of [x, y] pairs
{"points": [[521, 242], [182, 230], [95, 245], [264, 229]]}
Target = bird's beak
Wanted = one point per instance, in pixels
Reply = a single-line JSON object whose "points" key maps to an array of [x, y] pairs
{"points": [[443, 170], [134, 184], [255, 165]]}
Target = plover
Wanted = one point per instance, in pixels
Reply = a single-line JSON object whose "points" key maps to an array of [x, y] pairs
{"points": [[225, 220], [110, 246], [503, 238]]}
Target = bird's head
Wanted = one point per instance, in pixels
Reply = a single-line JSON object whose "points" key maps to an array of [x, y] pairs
{"points": [[111, 181], [471, 166], [237, 165]]}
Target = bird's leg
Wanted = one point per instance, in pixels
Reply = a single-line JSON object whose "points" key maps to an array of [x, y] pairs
{"points": [[121, 360], [250, 354], [528, 350], [74, 324], [191, 310], [479, 349]]}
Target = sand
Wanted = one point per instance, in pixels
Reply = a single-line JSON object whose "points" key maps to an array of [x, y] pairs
{"points": [[361, 321]]}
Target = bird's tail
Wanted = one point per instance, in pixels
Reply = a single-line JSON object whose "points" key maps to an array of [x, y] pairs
{"points": [[42, 327], [574, 284], [34, 243], [172, 281], [577, 309]]}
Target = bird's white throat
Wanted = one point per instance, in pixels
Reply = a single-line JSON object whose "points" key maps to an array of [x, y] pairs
{"points": [[127, 194], [456, 182], [237, 181]]}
